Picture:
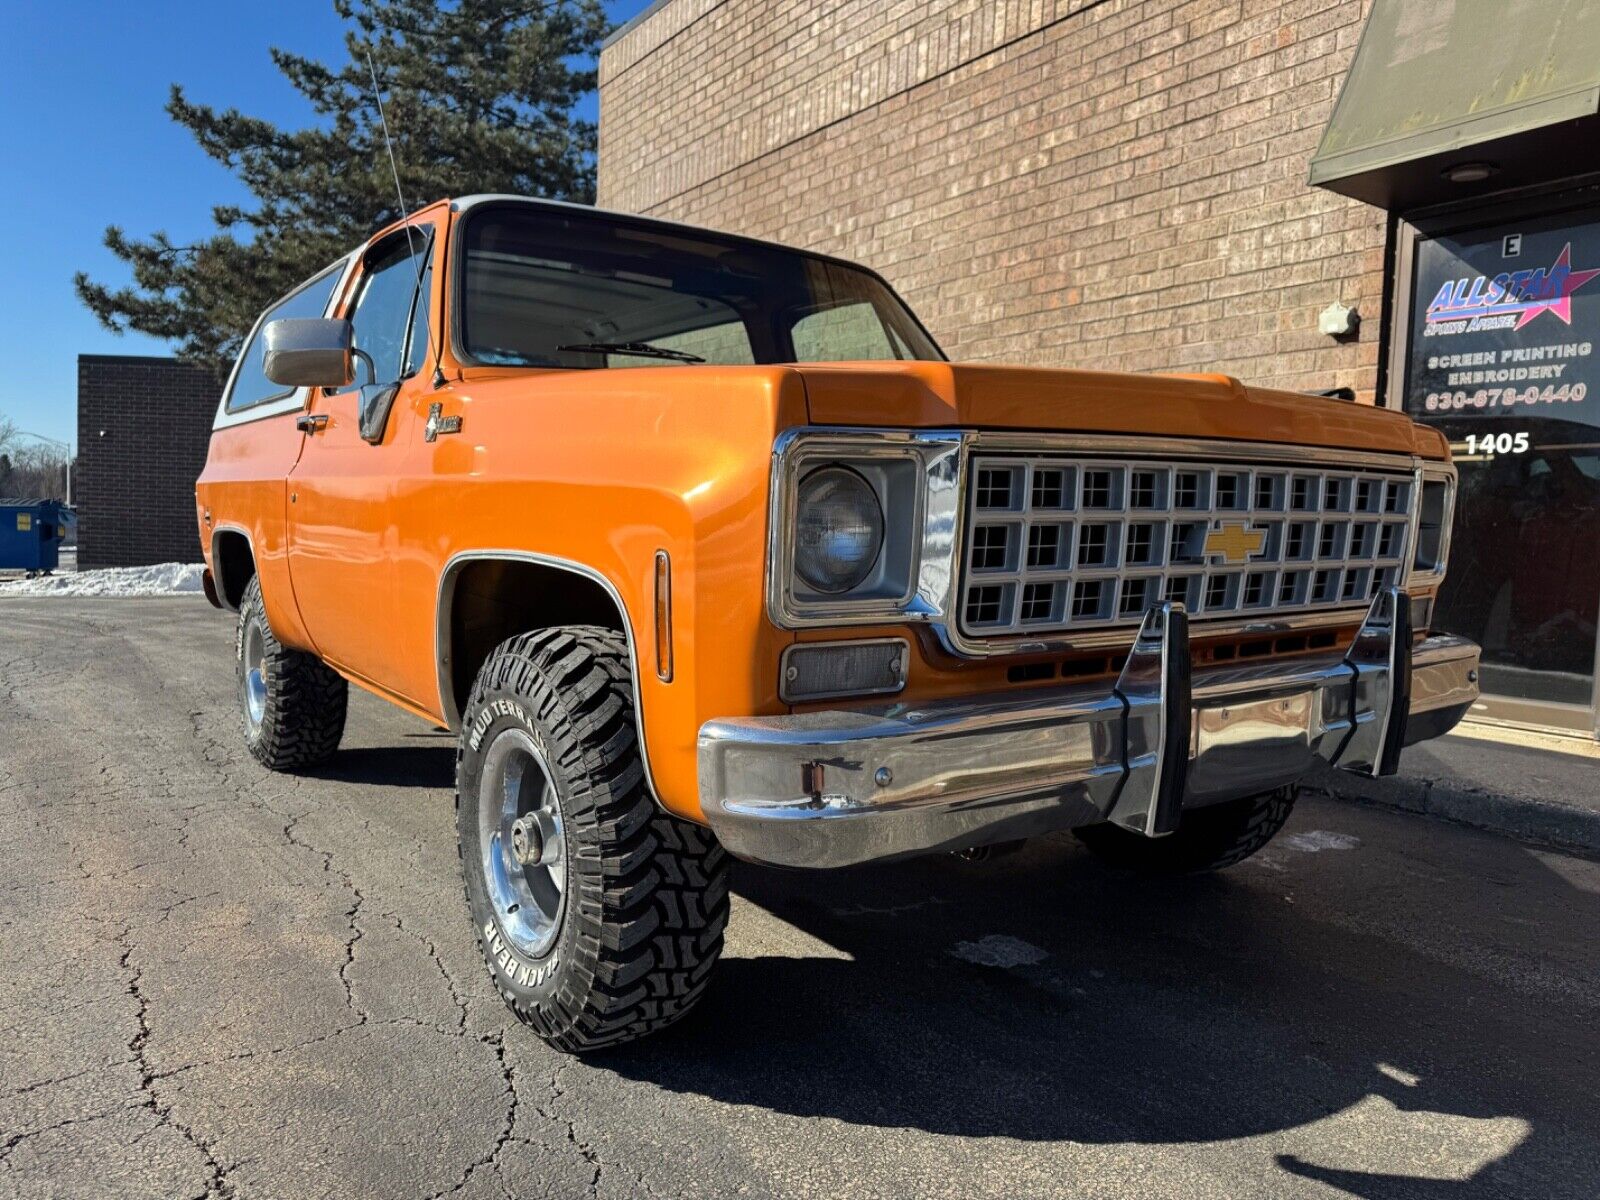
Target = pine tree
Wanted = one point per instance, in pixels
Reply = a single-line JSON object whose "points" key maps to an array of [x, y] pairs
{"points": [[479, 96]]}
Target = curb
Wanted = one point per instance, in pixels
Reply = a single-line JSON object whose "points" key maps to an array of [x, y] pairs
{"points": [[1543, 821]]}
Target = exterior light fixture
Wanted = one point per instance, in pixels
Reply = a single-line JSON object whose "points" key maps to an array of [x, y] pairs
{"points": [[1339, 321], [1470, 172]]}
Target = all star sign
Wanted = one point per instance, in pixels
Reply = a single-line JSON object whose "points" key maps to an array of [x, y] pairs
{"points": [[1505, 323], [1508, 301]]}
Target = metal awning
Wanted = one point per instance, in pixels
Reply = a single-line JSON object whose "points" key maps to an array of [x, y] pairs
{"points": [[1436, 83]]}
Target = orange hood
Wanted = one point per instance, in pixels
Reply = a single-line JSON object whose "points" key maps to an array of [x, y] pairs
{"points": [[952, 395]]}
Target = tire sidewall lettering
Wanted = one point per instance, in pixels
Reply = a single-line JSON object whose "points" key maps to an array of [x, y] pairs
{"points": [[500, 706], [523, 972], [531, 976]]}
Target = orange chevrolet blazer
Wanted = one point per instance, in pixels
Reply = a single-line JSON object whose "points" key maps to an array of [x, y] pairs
{"points": [[703, 547]]}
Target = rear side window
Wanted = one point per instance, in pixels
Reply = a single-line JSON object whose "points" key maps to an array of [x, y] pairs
{"points": [[250, 384], [844, 333]]}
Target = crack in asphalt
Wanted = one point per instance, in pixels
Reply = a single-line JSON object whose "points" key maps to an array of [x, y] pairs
{"points": [[294, 835], [17, 1139], [432, 951], [492, 1159], [352, 914], [218, 1183], [40, 1084], [582, 1147]]}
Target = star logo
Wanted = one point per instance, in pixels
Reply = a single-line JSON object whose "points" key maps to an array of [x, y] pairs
{"points": [[1561, 282], [1234, 542]]}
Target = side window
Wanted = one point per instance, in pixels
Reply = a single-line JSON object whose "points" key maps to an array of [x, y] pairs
{"points": [[381, 319], [842, 334], [251, 385]]}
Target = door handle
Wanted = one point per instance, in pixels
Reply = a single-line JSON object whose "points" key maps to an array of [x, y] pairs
{"points": [[310, 422]]}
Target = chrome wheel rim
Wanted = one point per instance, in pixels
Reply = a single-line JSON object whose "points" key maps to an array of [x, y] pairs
{"points": [[255, 675], [523, 843]]}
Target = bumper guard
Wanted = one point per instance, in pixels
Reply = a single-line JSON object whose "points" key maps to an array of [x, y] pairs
{"points": [[834, 788]]}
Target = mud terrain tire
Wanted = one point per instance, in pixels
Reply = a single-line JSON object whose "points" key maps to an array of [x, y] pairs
{"points": [[1208, 839], [628, 903], [294, 712]]}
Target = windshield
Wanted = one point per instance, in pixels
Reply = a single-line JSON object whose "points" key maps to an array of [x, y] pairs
{"points": [[547, 288]]}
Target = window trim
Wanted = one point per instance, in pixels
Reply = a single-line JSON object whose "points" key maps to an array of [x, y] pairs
{"points": [[422, 294], [456, 285]]}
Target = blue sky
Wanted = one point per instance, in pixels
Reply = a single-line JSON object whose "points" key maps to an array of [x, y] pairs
{"points": [[85, 143]]}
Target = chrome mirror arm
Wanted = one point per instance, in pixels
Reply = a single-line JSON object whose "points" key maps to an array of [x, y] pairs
{"points": [[363, 357]]}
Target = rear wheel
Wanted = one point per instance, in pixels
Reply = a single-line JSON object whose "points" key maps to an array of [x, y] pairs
{"points": [[1207, 839], [293, 704], [600, 916]]}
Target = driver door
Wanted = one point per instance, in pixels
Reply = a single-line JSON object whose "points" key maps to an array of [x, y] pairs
{"points": [[342, 536]]}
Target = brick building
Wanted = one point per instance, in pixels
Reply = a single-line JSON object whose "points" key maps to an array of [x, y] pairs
{"points": [[1096, 183], [1125, 184], [143, 428]]}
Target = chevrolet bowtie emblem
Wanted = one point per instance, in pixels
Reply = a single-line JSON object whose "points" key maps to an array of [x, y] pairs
{"points": [[439, 423], [1234, 542]]}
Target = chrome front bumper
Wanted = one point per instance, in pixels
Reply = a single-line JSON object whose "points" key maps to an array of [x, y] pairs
{"points": [[829, 789]]}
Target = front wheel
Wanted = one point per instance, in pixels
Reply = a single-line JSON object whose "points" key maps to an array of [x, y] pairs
{"points": [[1207, 839], [600, 916]]}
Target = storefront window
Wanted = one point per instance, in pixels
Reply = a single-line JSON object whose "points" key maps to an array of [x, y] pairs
{"points": [[1501, 357]]}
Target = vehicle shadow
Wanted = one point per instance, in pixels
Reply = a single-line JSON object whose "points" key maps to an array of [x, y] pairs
{"points": [[428, 763], [1105, 1009]]}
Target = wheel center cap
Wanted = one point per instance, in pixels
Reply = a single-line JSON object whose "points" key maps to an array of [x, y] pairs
{"points": [[527, 841]]}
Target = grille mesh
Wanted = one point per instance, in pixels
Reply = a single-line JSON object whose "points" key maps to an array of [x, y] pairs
{"points": [[1057, 543]]}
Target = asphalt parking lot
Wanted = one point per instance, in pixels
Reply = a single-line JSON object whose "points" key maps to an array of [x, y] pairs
{"points": [[221, 982]]}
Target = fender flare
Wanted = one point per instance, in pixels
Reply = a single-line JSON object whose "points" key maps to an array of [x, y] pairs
{"points": [[441, 634], [217, 532]]}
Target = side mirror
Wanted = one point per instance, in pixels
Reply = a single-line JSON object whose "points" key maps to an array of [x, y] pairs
{"points": [[308, 352]]}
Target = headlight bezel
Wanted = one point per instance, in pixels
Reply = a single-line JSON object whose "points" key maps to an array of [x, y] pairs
{"points": [[915, 476]]}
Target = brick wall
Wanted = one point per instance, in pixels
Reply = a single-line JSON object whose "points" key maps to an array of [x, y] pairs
{"points": [[143, 427], [1098, 183]]}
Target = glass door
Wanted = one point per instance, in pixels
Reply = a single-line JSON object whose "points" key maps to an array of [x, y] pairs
{"points": [[1500, 349]]}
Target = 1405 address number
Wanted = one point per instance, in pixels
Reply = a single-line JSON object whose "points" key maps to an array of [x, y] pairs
{"points": [[1497, 443]]}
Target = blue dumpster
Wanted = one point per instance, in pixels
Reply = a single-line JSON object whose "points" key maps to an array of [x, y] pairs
{"points": [[31, 532]]}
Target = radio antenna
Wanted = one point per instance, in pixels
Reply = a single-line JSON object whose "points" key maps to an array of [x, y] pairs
{"points": [[388, 142], [405, 213]]}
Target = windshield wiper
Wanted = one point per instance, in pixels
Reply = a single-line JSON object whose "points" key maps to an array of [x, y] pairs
{"points": [[637, 349]]}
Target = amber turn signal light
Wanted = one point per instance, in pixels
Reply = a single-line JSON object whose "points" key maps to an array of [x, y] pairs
{"points": [[663, 617]]}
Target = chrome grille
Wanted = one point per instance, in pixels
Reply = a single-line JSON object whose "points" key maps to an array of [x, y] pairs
{"points": [[1055, 543]]}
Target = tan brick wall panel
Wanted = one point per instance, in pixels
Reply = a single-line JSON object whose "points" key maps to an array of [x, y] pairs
{"points": [[1114, 184]]}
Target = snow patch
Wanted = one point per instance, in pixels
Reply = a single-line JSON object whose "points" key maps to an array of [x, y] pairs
{"points": [[162, 579], [1000, 950], [1321, 839]]}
